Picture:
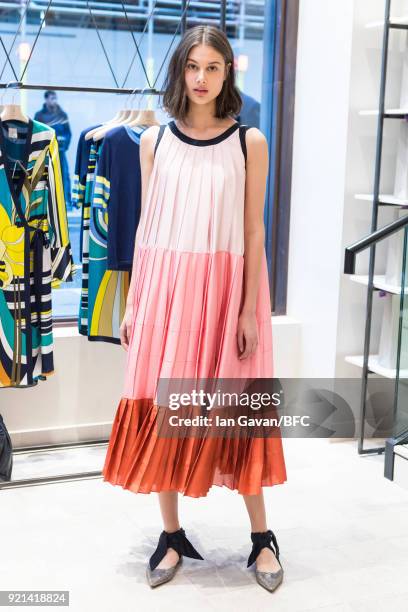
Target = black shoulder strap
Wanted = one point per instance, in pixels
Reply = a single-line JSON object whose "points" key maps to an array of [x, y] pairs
{"points": [[159, 136], [242, 132]]}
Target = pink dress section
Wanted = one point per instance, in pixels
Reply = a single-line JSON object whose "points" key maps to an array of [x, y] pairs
{"points": [[188, 296]]}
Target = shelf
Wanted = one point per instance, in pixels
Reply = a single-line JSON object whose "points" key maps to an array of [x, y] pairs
{"points": [[385, 199], [366, 113], [374, 366], [401, 450], [395, 22], [391, 113], [379, 283]]}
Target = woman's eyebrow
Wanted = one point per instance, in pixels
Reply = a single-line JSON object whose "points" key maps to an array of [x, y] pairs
{"points": [[214, 62]]}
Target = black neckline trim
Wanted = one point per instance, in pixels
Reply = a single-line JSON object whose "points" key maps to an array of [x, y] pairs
{"points": [[200, 142]]}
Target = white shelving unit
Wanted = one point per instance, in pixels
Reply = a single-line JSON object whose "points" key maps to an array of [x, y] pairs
{"points": [[389, 199], [375, 366], [383, 360], [393, 21], [391, 112], [379, 283]]}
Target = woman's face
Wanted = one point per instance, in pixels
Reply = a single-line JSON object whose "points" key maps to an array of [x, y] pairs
{"points": [[205, 72]]}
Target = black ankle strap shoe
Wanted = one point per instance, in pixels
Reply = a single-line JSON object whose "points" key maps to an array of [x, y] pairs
{"points": [[178, 541], [260, 540]]}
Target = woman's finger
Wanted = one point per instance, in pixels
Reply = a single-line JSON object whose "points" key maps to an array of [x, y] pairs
{"points": [[123, 337], [240, 338]]}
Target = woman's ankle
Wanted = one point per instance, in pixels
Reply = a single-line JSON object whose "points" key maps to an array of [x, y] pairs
{"points": [[171, 527], [259, 528]]}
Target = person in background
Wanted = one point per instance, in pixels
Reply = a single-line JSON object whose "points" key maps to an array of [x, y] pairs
{"points": [[250, 111], [53, 115]]}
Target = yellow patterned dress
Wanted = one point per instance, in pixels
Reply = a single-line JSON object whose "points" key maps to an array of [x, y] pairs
{"points": [[35, 250]]}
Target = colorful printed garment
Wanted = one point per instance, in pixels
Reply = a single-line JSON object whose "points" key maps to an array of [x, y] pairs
{"points": [[114, 218], [35, 251], [107, 289], [118, 191], [82, 196], [81, 171], [110, 195]]}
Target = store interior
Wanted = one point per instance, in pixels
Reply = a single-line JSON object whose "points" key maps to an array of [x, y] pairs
{"points": [[344, 188]]}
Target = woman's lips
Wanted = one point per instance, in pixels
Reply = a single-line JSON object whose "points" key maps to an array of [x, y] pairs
{"points": [[200, 92]]}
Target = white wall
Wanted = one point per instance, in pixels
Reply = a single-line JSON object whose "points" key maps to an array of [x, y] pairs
{"points": [[318, 185], [75, 403], [338, 74]]}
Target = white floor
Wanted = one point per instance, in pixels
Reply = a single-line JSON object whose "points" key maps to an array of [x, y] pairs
{"points": [[342, 528]]}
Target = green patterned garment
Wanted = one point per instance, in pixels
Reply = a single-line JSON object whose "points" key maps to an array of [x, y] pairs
{"points": [[35, 250]]}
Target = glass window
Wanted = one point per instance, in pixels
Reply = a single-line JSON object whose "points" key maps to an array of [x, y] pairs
{"points": [[102, 48]]}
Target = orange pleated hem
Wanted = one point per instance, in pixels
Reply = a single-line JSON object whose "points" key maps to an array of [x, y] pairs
{"points": [[139, 460]]}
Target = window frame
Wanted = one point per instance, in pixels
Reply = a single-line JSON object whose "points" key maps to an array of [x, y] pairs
{"points": [[277, 123]]}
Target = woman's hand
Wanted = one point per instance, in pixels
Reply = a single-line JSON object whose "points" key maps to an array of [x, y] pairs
{"points": [[126, 327], [247, 334]]}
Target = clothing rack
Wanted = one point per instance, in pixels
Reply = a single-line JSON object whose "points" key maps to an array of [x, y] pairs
{"points": [[181, 27], [150, 90], [108, 90]]}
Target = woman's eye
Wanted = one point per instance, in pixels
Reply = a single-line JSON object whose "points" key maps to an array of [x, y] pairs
{"points": [[193, 67]]}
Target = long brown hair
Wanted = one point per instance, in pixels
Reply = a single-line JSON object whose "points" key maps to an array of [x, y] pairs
{"points": [[175, 100]]}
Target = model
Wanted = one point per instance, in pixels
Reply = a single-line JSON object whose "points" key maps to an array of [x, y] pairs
{"points": [[198, 305]]}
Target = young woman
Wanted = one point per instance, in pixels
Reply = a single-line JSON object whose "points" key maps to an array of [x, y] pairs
{"points": [[198, 304]]}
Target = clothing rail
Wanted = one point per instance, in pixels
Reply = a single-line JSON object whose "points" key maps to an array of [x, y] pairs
{"points": [[182, 23], [24, 482], [38, 480], [20, 85], [109, 90]]}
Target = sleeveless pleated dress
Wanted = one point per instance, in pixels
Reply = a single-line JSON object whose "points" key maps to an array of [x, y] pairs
{"points": [[187, 298]]}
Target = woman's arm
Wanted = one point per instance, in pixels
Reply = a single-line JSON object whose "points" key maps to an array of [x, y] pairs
{"points": [[255, 188]]}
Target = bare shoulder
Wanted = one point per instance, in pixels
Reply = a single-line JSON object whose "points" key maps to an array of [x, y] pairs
{"points": [[148, 140], [150, 133], [256, 143], [255, 137]]}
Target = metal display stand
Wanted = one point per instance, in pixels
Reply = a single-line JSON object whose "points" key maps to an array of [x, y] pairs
{"points": [[378, 201], [150, 89]]}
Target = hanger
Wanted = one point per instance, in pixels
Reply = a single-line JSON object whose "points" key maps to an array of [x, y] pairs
{"points": [[99, 133], [133, 111], [127, 116], [120, 116], [145, 116], [133, 118], [12, 111]]}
